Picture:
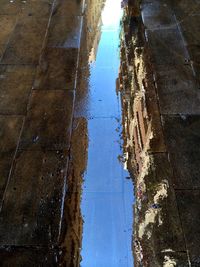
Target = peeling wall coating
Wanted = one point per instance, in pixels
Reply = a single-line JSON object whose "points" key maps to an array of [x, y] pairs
{"points": [[160, 104]]}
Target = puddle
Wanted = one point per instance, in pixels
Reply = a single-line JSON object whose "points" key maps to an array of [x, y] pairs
{"points": [[107, 197]]}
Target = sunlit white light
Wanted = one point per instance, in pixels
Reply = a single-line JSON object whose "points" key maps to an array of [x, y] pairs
{"points": [[112, 12]]}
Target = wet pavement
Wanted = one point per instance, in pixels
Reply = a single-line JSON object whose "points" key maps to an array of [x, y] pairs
{"points": [[39, 51], [159, 78], [65, 199], [65, 196], [107, 196]]}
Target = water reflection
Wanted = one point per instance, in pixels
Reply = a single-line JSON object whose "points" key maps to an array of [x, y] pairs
{"points": [[107, 196]]}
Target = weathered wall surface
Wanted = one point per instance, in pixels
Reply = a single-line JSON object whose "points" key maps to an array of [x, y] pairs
{"points": [[159, 84]]}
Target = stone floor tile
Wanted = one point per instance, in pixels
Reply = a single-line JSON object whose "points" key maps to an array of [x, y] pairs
{"points": [[186, 169], [188, 204], [34, 198], [63, 7], [41, 9], [15, 87], [182, 131], [10, 128], [57, 69], [64, 31], [194, 52], [28, 257], [48, 121], [191, 21], [2, 49], [26, 42], [10, 8], [184, 9], [7, 25], [157, 15], [182, 135], [167, 48], [5, 167], [178, 91]]}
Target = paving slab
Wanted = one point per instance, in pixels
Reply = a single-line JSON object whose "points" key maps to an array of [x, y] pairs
{"points": [[25, 44], [191, 21], [167, 48], [10, 8], [57, 69], [192, 37], [188, 203], [15, 88], [10, 128], [41, 9], [48, 121], [34, 199], [194, 53], [5, 166], [182, 135], [184, 9], [27, 257], [7, 25], [157, 14], [64, 31], [66, 7], [178, 91], [2, 49]]}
